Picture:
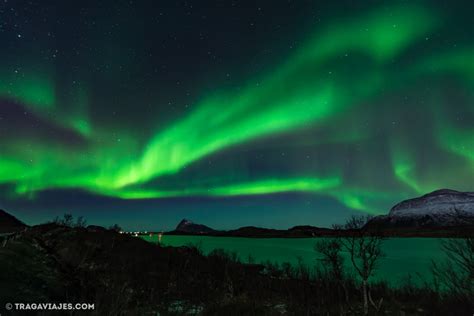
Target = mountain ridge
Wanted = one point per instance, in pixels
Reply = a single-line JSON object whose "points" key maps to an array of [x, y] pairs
{"points": [[439, 201], [187, 226], [440, 213], [438, 209], [9, 223]]}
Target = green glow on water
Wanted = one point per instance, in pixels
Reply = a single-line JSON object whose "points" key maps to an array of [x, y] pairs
{"points": [[404, 257]]}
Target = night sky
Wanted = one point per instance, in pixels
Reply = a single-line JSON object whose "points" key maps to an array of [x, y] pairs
{"points": [[232, 113]]}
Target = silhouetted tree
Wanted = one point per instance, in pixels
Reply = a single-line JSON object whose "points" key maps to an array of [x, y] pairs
{"points": [[330, 249], [333, 261], [365, 249], [456, 274], [67, 220], [80, 222]]}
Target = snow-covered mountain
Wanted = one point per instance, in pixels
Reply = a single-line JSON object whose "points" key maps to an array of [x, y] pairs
{"points": [[438, 202], [436, 209]]}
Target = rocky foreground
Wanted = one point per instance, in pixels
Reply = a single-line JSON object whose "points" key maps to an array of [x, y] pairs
{"points": [[120, 274], [125, 275]]}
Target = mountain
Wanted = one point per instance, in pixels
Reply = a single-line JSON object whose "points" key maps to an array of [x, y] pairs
{"points": [[439, 209], [297, 231], [252, 231], [436, 203], [309, 231], [187, 226], [9, 223], [441, 213]]}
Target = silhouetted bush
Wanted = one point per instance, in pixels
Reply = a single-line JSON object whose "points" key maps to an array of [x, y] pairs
{"points": [[124, 275]]}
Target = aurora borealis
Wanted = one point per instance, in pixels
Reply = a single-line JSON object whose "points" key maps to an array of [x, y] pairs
{"points": [[263, 113]]}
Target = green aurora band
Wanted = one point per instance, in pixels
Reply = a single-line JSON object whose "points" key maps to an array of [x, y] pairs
{"points": [[348, 67]]}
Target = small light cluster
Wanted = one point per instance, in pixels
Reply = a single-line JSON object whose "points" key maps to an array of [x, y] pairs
{"points": [[135, 233]]}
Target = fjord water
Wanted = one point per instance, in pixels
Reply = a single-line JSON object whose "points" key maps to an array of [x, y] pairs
{"points": [[404, 257]]}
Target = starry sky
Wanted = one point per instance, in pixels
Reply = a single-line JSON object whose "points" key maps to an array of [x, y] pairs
{"points": [[232, 113]]}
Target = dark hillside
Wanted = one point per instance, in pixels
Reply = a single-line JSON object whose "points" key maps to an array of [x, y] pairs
{"points": [[9, 223]]}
